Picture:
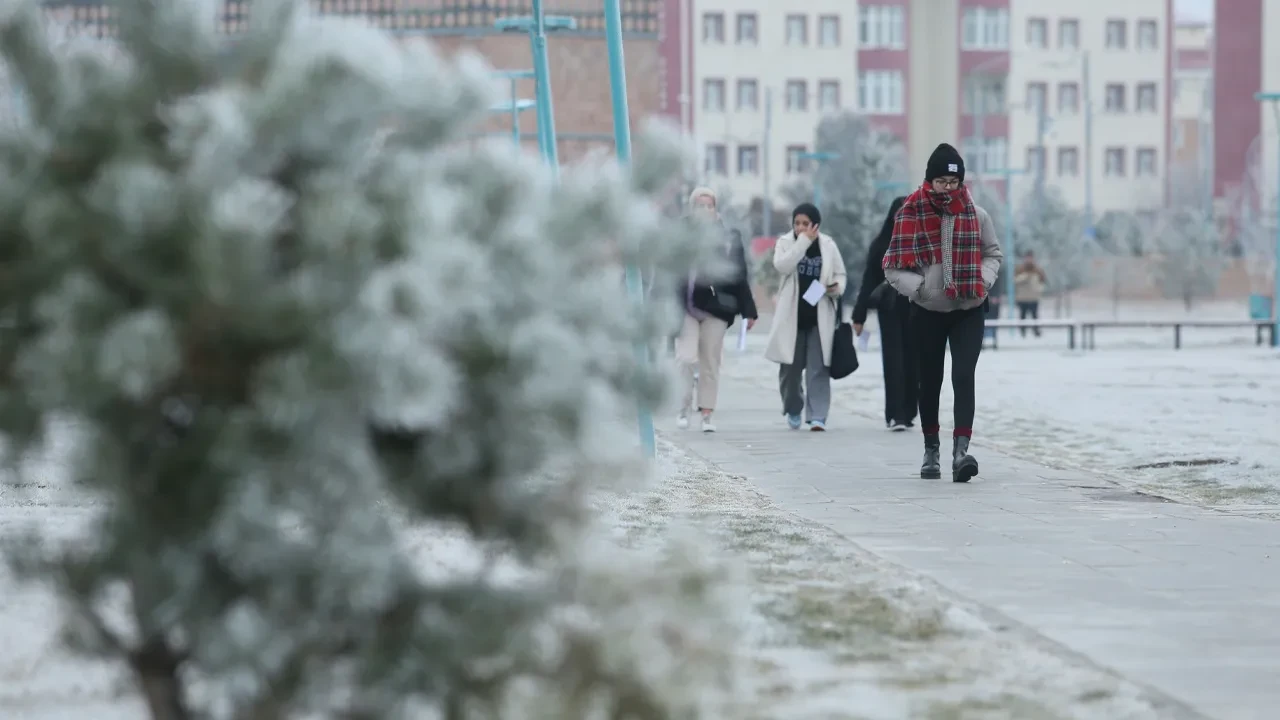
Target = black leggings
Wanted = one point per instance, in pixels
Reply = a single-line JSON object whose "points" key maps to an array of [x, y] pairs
{"points": [[963, 329]]}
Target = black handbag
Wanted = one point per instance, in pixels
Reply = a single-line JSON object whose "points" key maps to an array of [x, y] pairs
{"points": [[844, 355]]}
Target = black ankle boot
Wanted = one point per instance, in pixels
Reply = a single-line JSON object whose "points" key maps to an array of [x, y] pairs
{"points": [[963, 465], [931, 468]]}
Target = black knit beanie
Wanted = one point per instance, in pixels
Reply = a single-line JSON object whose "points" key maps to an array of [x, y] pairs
{"points": [[808, 210], [944, 161]]}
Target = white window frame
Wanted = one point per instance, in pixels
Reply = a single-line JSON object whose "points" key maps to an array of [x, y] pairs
{"points": [[1071, 169], [1141, 41], [1116, 169], [1041, 42], [1149, 153], [796, 164], [1122, 106], [825, 103], [985, 29], [797, 28], [744, 83], [825, 23], [1073, 108], [881, 92], [797, 95], [738, 36], [707, 85], [1116, 34], [752, 152], [1138, 105], [882, 27], [1074, 24], [707, 35], [715, 150]]}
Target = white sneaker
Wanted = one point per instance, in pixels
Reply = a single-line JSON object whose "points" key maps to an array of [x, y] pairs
{"points": [[707, 425], [896, 426], [682, 421]]}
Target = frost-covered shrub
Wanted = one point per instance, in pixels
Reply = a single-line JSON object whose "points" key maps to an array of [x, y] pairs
{"points": [[293, 339]]}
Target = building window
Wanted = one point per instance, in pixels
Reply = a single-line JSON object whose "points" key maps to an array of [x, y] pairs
{"points": [[716, 162], [1117, 35], [986, 29], [713, 95], [987, 154], [1035, 160], [882, 27], [880, 92], [797, 95], [1068, 98], [713, 27], [748, 159], [984, 96], [829, 95], [1037, 97], [1148, 35], [829, 30], [1114, 165], [1146, 97], [748, 29], [1069, 34], [1115, 98], [797, 30], [1145, 162], [748, 95], [1068, 162], [795, 159], [1037, 33]]}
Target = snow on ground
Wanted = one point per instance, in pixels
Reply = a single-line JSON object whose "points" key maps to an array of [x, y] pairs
{"points": [[841, 634], [833, 632], [1196, 425]]}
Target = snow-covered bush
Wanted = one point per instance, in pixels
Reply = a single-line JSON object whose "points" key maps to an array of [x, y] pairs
{"points": [[293, 342], [1186, 255]]}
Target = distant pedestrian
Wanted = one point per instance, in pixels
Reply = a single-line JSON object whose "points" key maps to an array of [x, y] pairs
{"points": [[711, 306], [804, 321], [944, 256], [1028, 286], [894, 314]]}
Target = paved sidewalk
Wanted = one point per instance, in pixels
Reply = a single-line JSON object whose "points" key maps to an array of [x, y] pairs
{"points": [[1180, 598]]}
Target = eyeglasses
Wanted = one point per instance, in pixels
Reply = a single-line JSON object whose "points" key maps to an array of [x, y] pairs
{"points": [[947, 184]]}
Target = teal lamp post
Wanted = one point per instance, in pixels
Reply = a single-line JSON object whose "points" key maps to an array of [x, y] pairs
{"points": [[622, 143], [515, 106], [821, 158], [1274, 98], [1009, 251], [537, 27]]}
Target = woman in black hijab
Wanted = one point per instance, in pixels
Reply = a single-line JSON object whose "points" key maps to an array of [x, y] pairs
{"points": [[894, 312]]}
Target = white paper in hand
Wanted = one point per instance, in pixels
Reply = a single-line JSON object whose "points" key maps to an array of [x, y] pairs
{"points": [[814, 293], [864, 340], [742, 336]]}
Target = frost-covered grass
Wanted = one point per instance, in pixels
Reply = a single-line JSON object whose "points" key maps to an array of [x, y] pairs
{"points": [[830, 632], [838, 633]]}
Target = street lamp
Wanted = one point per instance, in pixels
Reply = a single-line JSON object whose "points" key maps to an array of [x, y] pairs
{"points": [[537, 27], [516, 105], [821, 158], [1274, 99], [622, 144], [1009, 256]]}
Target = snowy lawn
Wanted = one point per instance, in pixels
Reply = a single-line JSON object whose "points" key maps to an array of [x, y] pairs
{"points": [[831, 632], [839, 633], [1198, 425]]}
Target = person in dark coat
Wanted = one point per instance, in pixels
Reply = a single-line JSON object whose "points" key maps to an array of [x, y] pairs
{"points": [[710, 308], [894, 312]]}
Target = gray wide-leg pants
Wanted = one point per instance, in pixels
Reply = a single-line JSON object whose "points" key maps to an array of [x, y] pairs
{"points": [[814, 396]]}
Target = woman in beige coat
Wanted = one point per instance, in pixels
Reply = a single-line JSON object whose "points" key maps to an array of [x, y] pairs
{"points": [[804, 321]]}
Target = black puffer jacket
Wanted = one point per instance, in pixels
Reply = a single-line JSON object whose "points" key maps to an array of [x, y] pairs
{"points": [[874, 289], [738, 287]]}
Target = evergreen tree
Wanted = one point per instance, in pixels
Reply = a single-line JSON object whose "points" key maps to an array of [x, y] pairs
{"points": [[1054, 231], [857, 186], [297, 344], [1186, 254]]}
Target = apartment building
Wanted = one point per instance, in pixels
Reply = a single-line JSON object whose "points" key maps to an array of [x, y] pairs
{"points": [[1089, 100], [762, 76], [1246, 60]]}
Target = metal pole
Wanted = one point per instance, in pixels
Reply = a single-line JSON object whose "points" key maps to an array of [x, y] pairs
{"points": [[1088, 145], [622, 141], [542, 75], [1041, 128], [1275, 290], [515, 114], [1010, 260], [766, 196], [979, 95]]}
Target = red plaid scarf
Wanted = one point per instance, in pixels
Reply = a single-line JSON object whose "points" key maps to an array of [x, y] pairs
{"points": [[917, 239]]}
